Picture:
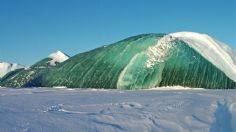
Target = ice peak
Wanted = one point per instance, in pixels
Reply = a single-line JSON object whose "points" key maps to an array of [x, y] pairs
{"points": [[57, 57]]}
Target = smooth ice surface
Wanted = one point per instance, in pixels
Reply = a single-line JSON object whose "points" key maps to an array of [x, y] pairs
{"points": [[48, 109], [214, 51], [57, 57], [8, 67]]}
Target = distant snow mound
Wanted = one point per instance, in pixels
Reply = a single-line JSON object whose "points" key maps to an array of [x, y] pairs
{"points": [[8, 67], [57, 57]]}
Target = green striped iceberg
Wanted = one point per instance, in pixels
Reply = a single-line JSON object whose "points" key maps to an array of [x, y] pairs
{"points": [[145, 61]]}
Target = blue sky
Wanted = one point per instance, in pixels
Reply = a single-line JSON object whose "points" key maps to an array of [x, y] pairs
{"points": [[32, 29]]}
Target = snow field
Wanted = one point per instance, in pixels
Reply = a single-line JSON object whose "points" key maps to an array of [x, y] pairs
{"points": [[47, 109]]}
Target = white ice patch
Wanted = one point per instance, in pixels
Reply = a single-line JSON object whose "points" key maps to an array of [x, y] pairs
{"points": [[174, 88], [219, 54], [60, 87], [57, 57], [8, 67], [158, 52]]}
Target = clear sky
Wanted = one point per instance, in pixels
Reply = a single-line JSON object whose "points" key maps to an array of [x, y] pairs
{"points": [[32, 29]]}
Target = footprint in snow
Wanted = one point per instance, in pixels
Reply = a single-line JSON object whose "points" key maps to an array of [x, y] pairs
{"points": [[128, 105]]}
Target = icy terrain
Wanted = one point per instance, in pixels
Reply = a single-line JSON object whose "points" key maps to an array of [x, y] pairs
{"points": [[59, 109]]}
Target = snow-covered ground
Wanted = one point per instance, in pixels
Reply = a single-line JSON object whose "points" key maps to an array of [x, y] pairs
{"points": [[53, 109]]}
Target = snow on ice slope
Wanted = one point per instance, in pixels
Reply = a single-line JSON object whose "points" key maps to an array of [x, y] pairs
{"points": [[47, 109], [57, 57], [214, 51], [8, 67]]}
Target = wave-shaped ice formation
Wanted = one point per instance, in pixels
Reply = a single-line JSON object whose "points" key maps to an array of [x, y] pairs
{"points": [[211, 49]]}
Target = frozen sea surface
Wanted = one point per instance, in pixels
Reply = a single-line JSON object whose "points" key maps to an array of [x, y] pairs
{"points": [[51, 109]]}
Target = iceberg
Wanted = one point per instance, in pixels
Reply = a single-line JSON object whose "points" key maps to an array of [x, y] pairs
{"points": [[145, 61]]}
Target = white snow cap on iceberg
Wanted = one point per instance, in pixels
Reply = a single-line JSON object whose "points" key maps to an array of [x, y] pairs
{"points": [[216, 52], [57, 57], [8, 67]]}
